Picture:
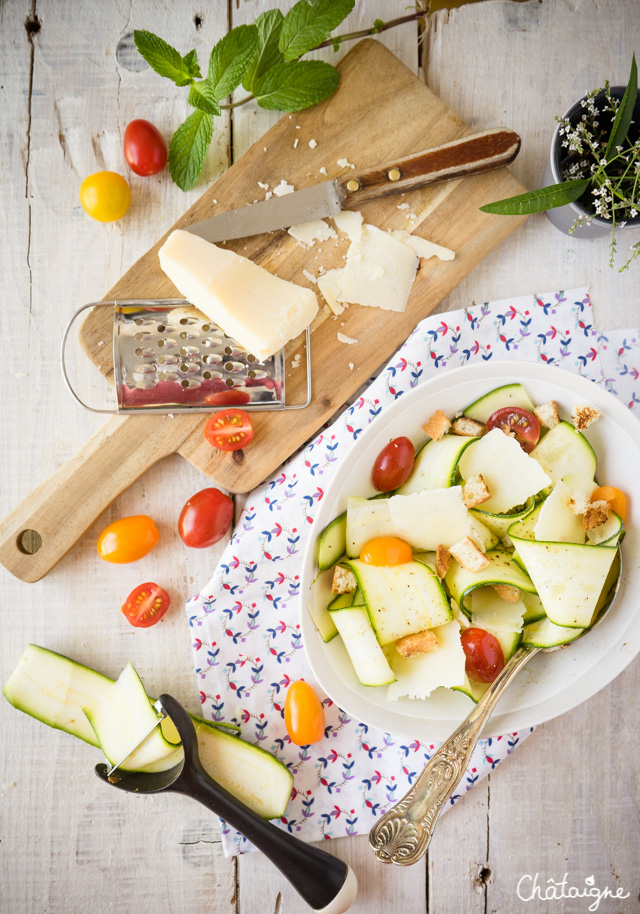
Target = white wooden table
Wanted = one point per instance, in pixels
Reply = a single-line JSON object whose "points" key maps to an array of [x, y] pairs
{"points": [[568, 802]]}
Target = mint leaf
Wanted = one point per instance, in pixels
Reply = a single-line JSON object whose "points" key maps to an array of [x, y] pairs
{"points": [[296, 85], [188, 149], [309, 23], [269, 26], [231, 58], [165, 60], [624, 114], [201, 96], [537, 201]]}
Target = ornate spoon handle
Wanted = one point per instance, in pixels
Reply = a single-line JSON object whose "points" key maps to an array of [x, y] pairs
{"points": [[403, 834]]}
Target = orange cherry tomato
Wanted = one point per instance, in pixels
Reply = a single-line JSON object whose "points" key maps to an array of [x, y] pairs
{"points": [[615, 498], [128, 539], [303, 714], [146, 605], [105, 196], [386, 550]]}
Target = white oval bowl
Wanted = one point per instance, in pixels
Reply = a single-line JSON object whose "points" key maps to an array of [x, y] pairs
{"points": [[552, 683]]}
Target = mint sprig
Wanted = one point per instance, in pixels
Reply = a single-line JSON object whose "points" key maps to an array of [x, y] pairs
{"points": [[188, 148], [231, 58], [165, 60], [269, 27], [296, 85], [309, 23]]}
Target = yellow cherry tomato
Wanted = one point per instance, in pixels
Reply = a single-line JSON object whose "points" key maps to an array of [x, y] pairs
{"points": [[615, 498], [105, 196], [386, 550], [128, 539], [303, 714]]}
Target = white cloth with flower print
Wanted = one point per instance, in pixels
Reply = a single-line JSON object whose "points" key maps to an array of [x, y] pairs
{"points": [[246, 633]]}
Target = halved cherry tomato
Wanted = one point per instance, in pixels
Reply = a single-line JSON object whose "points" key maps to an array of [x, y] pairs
{"points": [[145, 148], [614, 497], [386, 550], [205, 518], [484, 657], [393, 465], [521, 422], [229, 430], [229, 397], [105, 196], [303, 714], [128, 539], [146, 605]]}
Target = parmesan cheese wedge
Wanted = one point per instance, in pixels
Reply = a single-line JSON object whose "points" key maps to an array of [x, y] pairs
{"points": [[256, 308], [349, 222], [423, 248]]}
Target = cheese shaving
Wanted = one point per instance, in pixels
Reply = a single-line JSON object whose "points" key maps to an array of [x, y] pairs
{"points": [[343, 338], [283, 188]]}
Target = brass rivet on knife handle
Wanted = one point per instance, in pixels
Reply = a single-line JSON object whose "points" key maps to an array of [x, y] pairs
{"points": [[469, 155], [353, 185]]}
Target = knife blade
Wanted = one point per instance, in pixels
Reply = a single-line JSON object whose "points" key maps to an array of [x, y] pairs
{"points": [[468, 156]]}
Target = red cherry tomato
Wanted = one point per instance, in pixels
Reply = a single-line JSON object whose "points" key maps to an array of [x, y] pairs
{"points": [[484, 657], [128, 539], [205, 518], [303, 714], [229, 430], [521, 422], [393, 465], [386, 550], [144, 148], [146, 605]]}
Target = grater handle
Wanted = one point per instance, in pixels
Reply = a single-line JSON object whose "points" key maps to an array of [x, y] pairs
{"points": [[44, 527]]}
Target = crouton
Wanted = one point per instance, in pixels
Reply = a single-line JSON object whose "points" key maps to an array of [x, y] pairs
{"points": [[344, 580], [467, 554], [437, 426], [443, 560], [507, 592], [584, 416], [469, 428], [418, 643], [597, 513], [547, 414], [475, 491], [579, 502]]}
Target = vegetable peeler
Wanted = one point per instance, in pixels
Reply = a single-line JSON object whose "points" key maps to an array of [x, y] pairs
{"points": [[169, 358], [326, 883]]}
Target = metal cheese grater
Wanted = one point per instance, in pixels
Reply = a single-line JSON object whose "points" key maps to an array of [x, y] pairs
{"points": [[168, 358]]}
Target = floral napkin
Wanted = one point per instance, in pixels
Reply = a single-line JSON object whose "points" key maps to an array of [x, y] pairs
{"points": [[246, 632]]}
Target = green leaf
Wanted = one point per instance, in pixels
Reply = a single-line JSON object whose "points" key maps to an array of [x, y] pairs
{"points": [[165, 60], [201, 96], [231, 58], [269, 26], [309, 23], [624, 114], [188, 149], [296, 85], [537, 201]]}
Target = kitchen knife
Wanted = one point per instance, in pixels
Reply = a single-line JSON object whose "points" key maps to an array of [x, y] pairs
{"points": [[467, 156]]}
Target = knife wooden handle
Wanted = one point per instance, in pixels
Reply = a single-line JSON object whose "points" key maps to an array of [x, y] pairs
{"points": [[467, 156]]}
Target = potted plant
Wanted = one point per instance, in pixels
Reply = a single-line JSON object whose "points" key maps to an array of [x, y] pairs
{"points": [[594, 167]]}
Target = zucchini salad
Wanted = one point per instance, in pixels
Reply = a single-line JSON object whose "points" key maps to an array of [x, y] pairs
{"points": [[492, 534]]}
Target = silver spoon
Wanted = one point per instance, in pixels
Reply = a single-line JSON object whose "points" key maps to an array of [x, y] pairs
{"points": [[403, 834]]}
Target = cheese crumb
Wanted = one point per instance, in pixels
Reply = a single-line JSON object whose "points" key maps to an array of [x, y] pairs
{"points": [[283, 188], [345, 163], [343, 338], [295, 143], [403, 206], [309, 276], [350, 366], [100, 342], [312, 144], [263, 186], [349, 222], [323, 170], [307, 233]]}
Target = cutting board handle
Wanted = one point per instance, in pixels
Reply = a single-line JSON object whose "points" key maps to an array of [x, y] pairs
{"points": [[42, 529]]}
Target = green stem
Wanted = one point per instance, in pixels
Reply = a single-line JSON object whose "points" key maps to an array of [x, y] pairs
{"points": [[243, 101], [362, 33]]}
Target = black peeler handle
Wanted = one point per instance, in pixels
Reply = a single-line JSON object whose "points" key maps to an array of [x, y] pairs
{"points": [[325, 882]]}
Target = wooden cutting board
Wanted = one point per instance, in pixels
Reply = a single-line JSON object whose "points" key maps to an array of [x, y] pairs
{"points": [[381, 111]]}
